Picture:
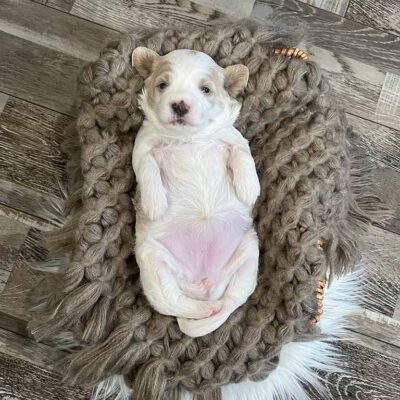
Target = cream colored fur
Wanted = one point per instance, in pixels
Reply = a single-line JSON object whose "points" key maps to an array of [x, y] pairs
{"points": [[198, 183]]}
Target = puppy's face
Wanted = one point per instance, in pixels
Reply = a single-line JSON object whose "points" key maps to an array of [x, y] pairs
{"points": [[186, 89]]}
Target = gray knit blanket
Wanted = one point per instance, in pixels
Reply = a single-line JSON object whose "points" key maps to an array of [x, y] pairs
{"points": [[312, 189]]}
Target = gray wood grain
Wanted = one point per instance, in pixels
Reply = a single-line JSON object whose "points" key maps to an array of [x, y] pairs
{"points": [[388, 187], [61, 32], [3, 101], [381, 143], [16, 298], [234, 8], [357, 84], [368, 375], [30, 138], [381, 262], [377, 326], [129, 14], [62, 5], [335, 6], [28, 202], [27, 349], [12, 235], [20, 380], [339, 35], [40, 75], [12, 324], [381, 14]]}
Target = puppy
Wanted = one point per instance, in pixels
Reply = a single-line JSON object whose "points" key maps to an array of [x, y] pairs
{"points": [[195, 243]]}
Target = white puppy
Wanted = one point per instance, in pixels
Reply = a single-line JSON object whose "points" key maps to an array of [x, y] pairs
{"points": [[195, 243]]}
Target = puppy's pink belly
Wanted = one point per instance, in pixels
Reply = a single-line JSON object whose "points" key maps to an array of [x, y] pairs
{"points": [[203, 251]]}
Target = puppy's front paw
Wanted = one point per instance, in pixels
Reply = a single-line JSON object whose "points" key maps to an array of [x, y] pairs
{"points": [[154, 202], [247, 188]]}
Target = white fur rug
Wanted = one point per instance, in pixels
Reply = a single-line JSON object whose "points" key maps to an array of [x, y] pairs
{"points": [[299, 362]]}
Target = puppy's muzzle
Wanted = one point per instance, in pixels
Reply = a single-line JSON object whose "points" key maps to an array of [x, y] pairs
{"points": [[180, 108]]}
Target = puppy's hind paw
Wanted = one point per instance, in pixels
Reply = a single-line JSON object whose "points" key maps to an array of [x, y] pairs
{"points": [[198, 309]]}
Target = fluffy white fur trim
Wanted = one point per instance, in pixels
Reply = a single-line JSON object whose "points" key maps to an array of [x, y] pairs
{"points": [[299, 362]]}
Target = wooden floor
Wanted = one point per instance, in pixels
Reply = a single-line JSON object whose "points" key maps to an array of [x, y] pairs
{"points": [[44, 43]]}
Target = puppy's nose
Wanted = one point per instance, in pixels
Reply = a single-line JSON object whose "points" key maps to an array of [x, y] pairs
{"points": [[180, 109]]}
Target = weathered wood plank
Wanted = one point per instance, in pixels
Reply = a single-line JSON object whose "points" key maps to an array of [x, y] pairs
{"points": [[357, 84], [27, 219], [381, 14], [12, 235], [335, 6], [234, 8], [368, 374], [339, 35], [381, 143], [13, 324], [30, 138], [3, 101], [30, 202], [388, 187], [61, 32], [377, 326], [381, 262], [20, 380], [37, 74], [27, 349], [389, 98], [129, 14], [62, 5], [16, 300]]}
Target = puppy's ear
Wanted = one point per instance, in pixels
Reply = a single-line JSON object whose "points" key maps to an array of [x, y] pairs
{"points": [[144, 60], [236, 78]]}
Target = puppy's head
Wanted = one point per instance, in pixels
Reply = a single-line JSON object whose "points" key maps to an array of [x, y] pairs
{"points": [[186, 89]]}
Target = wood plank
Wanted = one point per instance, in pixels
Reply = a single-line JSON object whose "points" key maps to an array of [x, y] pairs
{"points": [[29, 202], [27, 349], [13, 324], [234, 8], [62, 5], [125, 16], [381, 14], [381, 143], [381, 263], [388, 187], [357, 84], [61, 32], [377, 326], [337, 34], [15, 300], [12, 235], [334, 6], [27, 219], [3, 101], [20, 380], [368, 374], [37, 74], [30, 138], [389, 98]]}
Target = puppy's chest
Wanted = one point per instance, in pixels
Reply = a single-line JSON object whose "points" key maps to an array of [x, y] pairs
{"points": [[188, 160]]}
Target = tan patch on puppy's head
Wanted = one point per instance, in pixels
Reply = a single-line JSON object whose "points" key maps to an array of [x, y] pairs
{"points": [[236, 78], [145, 60], [160, 75]]}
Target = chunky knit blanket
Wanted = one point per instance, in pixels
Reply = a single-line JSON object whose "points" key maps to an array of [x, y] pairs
{"points": [[311, 190]]}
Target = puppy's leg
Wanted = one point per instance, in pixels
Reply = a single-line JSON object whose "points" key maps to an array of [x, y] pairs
{"points": [[245, 179], [159, 272], [241, 286]]}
